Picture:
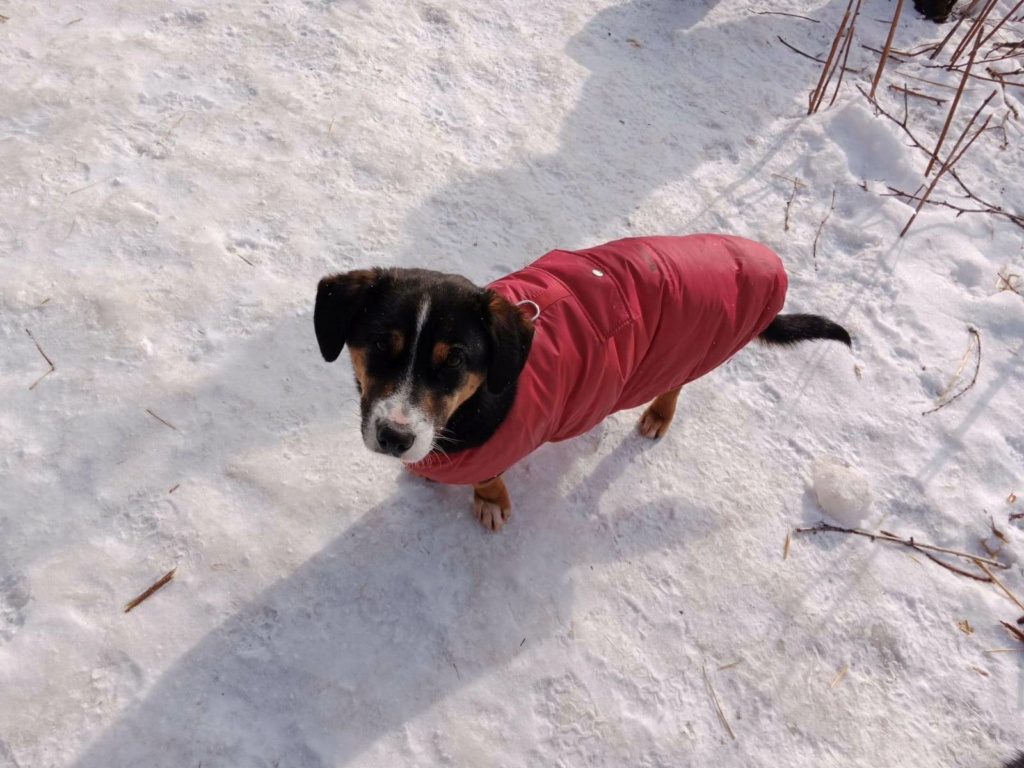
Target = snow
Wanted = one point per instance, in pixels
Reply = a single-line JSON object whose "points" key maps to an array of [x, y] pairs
{"points": [[843, 493], [174, 180]]}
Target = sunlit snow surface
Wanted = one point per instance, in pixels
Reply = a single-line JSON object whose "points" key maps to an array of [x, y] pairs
{"points": [[174, 180]]}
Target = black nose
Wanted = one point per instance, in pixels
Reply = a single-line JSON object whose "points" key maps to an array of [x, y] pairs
{"points": [[394, 440]]}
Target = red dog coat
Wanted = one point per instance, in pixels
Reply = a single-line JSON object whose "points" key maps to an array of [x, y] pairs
{"points": [[618, 325]]}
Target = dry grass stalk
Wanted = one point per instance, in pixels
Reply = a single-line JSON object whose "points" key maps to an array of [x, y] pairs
{"points": [[848, 44], [952, 31], [4, 19], [174, 487], [943, 401], [1003, 650], [45, 357], [819, 91], [965, 626], [244, 259], [980, 671], [974, 33], [1014, 632], [789, 204], [999, 584], [74, 21], [162, 421], [888, 46], [718, 705], [785, 547], [840, 676], [781, 13], [952, 110], [894, 539], [162, 582], [814, 248], [171, 129], [730, 665]]}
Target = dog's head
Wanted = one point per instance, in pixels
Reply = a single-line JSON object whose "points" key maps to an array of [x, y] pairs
{"points": [[422, 343]]}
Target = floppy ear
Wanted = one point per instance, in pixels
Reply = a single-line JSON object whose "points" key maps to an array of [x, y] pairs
{"points": [[338, 299], [511, 335]]}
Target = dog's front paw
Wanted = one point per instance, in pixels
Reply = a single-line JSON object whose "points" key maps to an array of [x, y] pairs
{"points": [[493, 516], [653, 424]]}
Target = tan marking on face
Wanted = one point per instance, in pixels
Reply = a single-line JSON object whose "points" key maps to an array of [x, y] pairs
{"points": [[367, 384], [467, 390], [440, 354], [358, 355], [442, 408]]}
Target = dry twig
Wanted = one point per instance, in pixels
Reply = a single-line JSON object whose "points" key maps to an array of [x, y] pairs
{"points": [[824, 527], [952, 111], [789, 204], [162, 421], [162, 582], [918, 94], [45, 357], [814, 248], [954, 157]]}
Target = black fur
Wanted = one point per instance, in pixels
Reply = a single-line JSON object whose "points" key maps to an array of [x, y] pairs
{"points": [[786, 330], [511, 337], [338, 299], [1015, 762]]}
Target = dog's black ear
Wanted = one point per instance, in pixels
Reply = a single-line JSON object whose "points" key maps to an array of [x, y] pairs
{"points": [[338, 299], [511, 335]]}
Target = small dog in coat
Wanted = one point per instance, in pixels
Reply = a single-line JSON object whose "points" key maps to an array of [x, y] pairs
{"points": [[461, 382]]}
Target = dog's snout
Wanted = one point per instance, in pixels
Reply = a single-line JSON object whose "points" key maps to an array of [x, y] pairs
{"points": [[393, 439]]}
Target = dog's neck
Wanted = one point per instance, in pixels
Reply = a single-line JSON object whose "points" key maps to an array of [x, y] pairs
{"points": [[477, 419]]}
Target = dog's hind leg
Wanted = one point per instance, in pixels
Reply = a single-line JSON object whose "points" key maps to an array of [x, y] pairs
{"points": [[656, 419]]}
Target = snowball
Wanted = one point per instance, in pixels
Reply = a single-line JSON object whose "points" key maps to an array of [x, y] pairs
{"points": [[844, 494]]}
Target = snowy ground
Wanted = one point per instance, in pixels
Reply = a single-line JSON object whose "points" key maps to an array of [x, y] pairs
{"points": [[173, 181]]}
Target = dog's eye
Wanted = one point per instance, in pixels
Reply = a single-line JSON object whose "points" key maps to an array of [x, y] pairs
{"points": [[382, 345], [454, 359]]}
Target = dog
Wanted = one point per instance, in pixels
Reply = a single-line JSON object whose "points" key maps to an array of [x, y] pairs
{"points": [[461, 382]]}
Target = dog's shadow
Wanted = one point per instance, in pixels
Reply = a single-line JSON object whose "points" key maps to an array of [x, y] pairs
{"points": [[410, 603]]}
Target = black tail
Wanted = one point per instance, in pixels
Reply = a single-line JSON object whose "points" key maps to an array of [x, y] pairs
{"points": [[792, 329]]}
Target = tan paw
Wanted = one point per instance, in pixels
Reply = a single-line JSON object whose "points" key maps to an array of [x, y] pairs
{"points": [[491, 515], [653, 424]]}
